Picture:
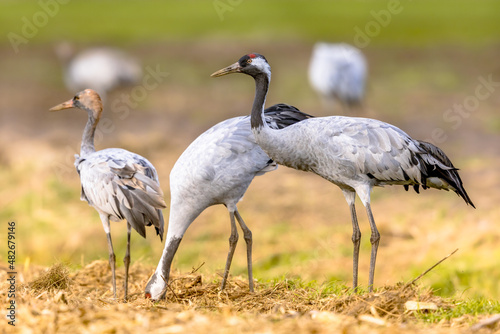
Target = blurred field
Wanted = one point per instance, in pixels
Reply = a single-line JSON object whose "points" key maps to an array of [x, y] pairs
{"points": [[300, 223]]}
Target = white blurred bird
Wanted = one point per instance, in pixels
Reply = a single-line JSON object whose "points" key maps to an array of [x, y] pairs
{"points": [[338, 72], [102, 69]]}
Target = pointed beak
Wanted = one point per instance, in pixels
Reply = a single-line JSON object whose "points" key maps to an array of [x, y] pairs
{"points": [[64, 105], [235, 68]]}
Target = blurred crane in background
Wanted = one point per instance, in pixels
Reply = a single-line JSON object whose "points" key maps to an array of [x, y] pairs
{"points": [[217, 168], [102, 69], [119, 184], [337, 72]]}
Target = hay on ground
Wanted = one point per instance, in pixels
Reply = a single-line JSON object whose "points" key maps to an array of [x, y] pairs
{"points": [[54, 278], [81, 302]]}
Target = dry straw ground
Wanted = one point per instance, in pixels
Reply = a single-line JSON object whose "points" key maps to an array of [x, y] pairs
{"points": [[55, 300]]}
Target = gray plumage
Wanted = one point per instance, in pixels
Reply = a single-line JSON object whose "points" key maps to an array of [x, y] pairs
{"points": [[356, 154], [216, 168], [119, 184], [122, 185]]}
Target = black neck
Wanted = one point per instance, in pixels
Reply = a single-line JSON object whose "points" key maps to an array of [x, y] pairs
{"points": [[261, 88]]}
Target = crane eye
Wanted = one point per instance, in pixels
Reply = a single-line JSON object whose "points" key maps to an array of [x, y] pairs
{"points": [[249, 61]]}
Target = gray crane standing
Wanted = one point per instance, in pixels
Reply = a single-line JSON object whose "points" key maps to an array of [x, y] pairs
{"points": [[354, 153], [119, 184]]}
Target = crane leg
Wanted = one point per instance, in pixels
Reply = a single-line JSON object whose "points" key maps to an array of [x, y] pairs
{"points": [[374, 239], [126, 261], [247, 234], [350, 197], [233, 240], [112, 260], [356, 240]]}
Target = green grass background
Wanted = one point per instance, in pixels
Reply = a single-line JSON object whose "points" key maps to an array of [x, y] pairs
{"points": [[417, 23]]}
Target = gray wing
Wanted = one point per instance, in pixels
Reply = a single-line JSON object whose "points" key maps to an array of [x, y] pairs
{"points": [[389, 156], [347, 150], [123, 185], [377, 149], [343, 149]]}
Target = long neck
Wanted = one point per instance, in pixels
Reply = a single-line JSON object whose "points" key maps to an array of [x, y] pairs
{"points": [[261, 88], [88, 135]]}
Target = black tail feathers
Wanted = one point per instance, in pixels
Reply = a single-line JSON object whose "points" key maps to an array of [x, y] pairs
{"points": [[448, 174]]}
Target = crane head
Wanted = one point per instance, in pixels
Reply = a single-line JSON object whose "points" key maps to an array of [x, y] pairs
{"points": [[252, 64], [87, 99]]}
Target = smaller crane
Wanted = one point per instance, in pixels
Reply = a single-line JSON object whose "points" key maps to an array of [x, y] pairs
{"points": [[119, 184]]}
